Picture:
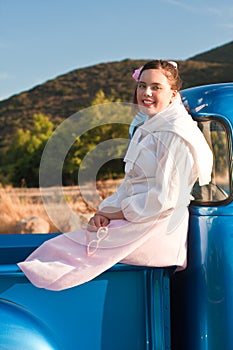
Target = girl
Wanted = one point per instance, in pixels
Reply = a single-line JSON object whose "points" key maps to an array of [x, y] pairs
{"points": [[145, 222]]}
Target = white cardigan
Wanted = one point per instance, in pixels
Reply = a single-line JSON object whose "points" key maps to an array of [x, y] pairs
{"points": [[164, 159]]}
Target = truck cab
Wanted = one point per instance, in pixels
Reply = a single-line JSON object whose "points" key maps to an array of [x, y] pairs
{"points": [[202, 295], [136, 307]]}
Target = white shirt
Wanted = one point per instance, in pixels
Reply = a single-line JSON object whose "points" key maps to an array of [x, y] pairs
{"points": [[165, 157], [158, 182]]}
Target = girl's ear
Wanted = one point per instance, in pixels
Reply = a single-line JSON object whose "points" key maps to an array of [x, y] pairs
{"points": [[174, 94]]}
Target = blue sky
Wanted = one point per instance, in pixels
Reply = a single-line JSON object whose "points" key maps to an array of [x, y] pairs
{"points": [[42, 39]]}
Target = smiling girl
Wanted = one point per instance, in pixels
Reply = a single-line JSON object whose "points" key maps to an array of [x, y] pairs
{"points": [[145, 222]]}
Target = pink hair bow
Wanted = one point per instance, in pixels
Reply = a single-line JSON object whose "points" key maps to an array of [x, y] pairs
{"points": [[136, 73]]}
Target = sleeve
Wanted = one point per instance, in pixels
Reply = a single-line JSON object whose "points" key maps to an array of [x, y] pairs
{"points": [[115, 200], [161, 180]]}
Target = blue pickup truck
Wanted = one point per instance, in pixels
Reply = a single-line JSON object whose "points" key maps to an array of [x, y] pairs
{"points": [[136, 307]]}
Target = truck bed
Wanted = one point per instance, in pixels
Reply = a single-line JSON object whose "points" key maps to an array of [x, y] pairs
{"points": [[127, 307]]}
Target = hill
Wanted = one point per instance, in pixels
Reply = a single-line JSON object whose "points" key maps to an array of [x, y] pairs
{"points": [[61, 97], [221, 54]]}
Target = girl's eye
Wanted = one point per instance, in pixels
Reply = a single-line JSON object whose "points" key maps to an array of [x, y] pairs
{"points": [[141, 86], [155, 88]]}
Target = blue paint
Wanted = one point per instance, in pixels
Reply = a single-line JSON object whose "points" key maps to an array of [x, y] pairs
{"points": [[21, 330]]}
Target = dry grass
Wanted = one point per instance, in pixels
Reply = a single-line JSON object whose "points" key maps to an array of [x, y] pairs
{"points": [[20, 203]]}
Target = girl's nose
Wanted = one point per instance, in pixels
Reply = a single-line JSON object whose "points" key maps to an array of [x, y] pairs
{"points": [[148, 91]]}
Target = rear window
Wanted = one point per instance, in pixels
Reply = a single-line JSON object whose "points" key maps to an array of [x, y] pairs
{"points": [[217, 134]]}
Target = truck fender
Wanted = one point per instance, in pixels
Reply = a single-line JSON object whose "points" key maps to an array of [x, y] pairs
{"points": [[20, 329]]}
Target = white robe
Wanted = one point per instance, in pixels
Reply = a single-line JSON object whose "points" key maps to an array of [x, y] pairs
{"points": [[165, 157]]}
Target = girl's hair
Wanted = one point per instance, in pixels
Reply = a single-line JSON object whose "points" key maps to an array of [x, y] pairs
{"points": [[170, 71]]}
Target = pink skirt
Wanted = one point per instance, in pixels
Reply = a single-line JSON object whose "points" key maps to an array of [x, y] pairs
{"points": [[77, 257]]}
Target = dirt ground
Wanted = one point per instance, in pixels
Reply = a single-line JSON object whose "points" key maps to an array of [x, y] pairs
{"points": [[70, 206]]}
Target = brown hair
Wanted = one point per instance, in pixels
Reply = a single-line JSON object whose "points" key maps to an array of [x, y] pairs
{"points": [[169, 70]]}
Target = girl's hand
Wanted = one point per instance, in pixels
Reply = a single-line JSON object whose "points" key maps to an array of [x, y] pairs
{"points": [[97, 221]]}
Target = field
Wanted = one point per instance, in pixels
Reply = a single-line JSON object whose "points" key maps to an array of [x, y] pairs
{"points": [[72, 208]]}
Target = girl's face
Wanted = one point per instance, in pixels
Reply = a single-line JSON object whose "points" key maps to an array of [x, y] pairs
{"points": [[154, 92]]}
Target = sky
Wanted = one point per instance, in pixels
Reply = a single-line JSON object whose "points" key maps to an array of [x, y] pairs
{"points": [[42, 39]]}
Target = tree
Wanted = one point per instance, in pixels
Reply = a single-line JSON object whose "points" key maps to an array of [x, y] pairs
{"points": [[104, 120], [22, 158]]}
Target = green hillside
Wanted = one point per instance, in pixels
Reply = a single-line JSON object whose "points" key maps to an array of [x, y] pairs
{"points": [[221, 54]]}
